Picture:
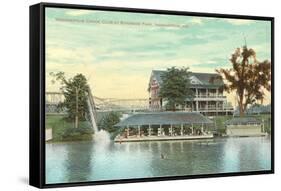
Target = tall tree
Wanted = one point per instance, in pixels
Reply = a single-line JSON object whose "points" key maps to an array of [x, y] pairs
{"points": [[75, 92], [175, 88], [248, 77]]}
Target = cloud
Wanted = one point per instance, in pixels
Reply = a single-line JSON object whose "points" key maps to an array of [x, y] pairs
{"points": [[239, 21], [78, 12], [113, 78], [194, 40], [211, 62], [118, 64]]}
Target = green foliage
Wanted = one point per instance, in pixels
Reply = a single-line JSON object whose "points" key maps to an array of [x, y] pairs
{"points": [[78, 134], [219, 123], [75, 91], [63, 130], [58, 126], [108, 121], [248, 77], [175, 88]]}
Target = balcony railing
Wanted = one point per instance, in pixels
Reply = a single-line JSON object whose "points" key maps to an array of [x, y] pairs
{"points": [[209, 96], [220, 108]]}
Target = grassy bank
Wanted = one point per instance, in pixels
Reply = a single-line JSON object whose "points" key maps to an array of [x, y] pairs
{"points": [[64, 130]]}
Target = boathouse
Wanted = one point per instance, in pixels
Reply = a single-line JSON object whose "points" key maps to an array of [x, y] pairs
{"points": [[244, 126], [164, 126]]}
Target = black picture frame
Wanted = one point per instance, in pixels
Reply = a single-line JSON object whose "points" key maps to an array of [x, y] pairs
{"points": [[37, 94]]}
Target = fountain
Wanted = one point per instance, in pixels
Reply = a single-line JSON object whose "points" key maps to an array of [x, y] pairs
{"points": [[100, 136]]}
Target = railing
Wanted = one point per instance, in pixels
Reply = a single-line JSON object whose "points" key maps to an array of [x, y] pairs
{"points": [[209, 96], [215, 108]]}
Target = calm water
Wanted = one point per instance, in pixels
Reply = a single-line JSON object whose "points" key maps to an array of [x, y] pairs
{"points": [[86, 161]]}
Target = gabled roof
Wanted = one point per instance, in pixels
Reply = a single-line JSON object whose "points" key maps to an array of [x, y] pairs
{"points": [[157, 75], [242, 121], [164, 118], [206, 79]]}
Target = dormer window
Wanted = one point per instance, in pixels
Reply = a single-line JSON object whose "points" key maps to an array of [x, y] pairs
{"points": [[194, 80]]}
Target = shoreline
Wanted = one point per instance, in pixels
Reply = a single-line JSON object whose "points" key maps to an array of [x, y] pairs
{"points": [[178, 140]]}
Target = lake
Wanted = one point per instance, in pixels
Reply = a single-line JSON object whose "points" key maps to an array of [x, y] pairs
{"points": [[88, 161]]}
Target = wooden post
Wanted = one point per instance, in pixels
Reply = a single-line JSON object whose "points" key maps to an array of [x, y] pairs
{"points": [[171, 130], [217, 92], [128, 133], [217, 105], [181, 129]]}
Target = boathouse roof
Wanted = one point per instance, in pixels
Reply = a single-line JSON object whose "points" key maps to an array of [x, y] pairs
{"points": [[243, 121], [164, 118]]}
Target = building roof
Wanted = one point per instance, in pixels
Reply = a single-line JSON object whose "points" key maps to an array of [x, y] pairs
{"points": [[157, 75], [164, 118], [208, 78], [242, 121], [203, 79], [255, 109]]}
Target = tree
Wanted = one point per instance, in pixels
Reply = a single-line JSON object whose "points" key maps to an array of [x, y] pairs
{"points": [[248, 77], [175, 88], [75, 91], [108, 121]]}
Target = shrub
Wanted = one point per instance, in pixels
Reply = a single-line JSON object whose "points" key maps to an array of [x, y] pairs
{"points": [[108, 121], [78, 134]]}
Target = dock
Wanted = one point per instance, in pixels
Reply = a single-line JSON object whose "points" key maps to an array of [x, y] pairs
{"points": [[162, 138]]}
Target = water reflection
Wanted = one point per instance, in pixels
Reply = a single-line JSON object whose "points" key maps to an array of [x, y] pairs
{"points": [[78, 162], [86, 161]]}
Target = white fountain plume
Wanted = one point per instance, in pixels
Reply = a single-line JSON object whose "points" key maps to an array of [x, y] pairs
{"points": [[100, 136], [92, 115]]}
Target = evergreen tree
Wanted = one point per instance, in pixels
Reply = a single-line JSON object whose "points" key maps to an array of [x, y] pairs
{"points": [[75, 91]]}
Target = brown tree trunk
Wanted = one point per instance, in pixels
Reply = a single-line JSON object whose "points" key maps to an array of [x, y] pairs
{"points": [[241, 108], [174, 107]]}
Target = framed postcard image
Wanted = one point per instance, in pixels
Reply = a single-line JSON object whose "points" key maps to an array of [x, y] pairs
{"points": [[122, 95]]}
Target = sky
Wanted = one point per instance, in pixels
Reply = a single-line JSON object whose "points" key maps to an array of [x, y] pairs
{"points": [[117, 51]]}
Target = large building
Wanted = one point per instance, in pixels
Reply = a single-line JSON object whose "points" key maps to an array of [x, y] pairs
{"points": [[207, 88]]}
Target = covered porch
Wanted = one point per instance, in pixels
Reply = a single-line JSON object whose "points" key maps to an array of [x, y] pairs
{"points": [[164, 126]]}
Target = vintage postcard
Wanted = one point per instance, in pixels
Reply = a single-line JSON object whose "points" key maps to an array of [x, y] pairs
{"points": [[133, 95]]}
